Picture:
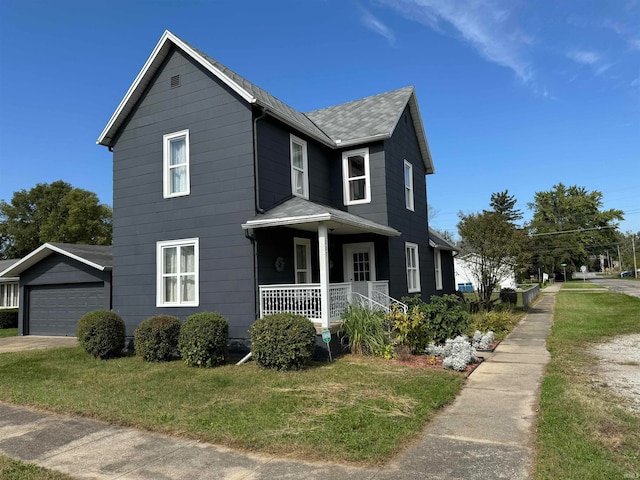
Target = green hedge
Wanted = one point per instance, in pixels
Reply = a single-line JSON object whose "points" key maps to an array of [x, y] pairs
{"points": [[203, 340], [9, 318], [156, 338], [282, 341], [101, 333]]}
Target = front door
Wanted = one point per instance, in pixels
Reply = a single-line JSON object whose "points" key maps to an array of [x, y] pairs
{"points": [[359, 266]]}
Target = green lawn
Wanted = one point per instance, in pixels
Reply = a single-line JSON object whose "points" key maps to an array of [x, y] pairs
{"points": [[15, 470], [359, 410], [581, 285], [8, 332], [583, 433]]}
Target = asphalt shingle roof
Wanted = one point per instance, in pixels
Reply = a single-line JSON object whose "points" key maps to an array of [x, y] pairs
{"points": [[98, 254], [368, 117], [441, 242]]}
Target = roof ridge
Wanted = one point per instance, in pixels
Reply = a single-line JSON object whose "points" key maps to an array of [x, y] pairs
{"points": [[361, 99]]}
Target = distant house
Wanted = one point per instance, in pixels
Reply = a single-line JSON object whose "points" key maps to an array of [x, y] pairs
{"points": [[467, 281], [8, 287], [226, 199], [443, 261]]}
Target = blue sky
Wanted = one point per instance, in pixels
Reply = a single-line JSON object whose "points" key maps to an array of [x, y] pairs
{"points": [[514, 94]]}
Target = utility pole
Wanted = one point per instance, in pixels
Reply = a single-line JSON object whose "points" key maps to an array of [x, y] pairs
{"points": [[619, 259], [633, 246]]}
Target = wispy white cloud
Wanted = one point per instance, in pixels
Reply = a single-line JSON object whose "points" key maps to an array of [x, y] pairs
{"points": [[634, 43], [584, 57], [487, 25], [374, 24]]}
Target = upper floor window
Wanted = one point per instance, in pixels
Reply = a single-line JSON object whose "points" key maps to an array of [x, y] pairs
{"points": [[356, 177], [408, 185], [9, 295], [299, 167], [413, 267], [178, 271], [437, 262], [176, 164]]}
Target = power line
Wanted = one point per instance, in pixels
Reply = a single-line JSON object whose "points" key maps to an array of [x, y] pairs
{"points": [[569, 231]]}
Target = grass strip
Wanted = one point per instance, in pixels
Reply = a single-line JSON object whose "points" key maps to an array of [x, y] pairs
{"points": [[8, 332], [358, 410], [583, 431], [16, 470]]}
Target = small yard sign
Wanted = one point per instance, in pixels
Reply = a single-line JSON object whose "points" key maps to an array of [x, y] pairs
{"points": [[326, 336]]}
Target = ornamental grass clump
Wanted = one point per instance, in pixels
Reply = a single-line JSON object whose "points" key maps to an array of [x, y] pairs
{"points": [[282, 341], [365, 331], [101, 333], [156, 338], [203, 340]]}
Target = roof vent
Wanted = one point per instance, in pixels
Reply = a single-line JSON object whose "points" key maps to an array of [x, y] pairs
{"points": [[175, 81]]}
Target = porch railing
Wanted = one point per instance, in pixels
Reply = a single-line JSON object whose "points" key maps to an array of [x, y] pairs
{"points": [[304, 299]]}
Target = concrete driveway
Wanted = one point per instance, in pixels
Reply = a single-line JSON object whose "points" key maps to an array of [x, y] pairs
{"points": [[34, 342]]}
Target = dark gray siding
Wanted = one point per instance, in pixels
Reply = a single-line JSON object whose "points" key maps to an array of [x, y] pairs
{"points": [[403, 145], [59, 271], [448, 273], [221, 198], [274, 167], [377, 209]]}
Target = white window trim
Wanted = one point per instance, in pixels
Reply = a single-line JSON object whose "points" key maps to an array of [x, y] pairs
{"points": [[166, 141], [307, 243], [195, 242], [408, 189], [9, 294], [305, 167], [412, 247], [345, 176], [437, 267]]}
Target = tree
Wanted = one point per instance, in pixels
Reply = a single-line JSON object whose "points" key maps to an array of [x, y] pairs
{"points": [[494, 244], [505, 205], [569, 226], [54, 212]]}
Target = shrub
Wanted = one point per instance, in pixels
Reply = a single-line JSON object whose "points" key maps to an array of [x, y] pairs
{"points": [[458, 353], [101, 333], [282, 341], [203, 339], [411, 329], [446, 316], [508, 296], [156, 338], [499, 322], [365, 331], [481, 341], [9, 318]]}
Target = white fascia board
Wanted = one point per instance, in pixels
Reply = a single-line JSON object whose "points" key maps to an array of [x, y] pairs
{"points": [[284, 221], [359, 141], [167, 36], [41, 253], [414, 109]]}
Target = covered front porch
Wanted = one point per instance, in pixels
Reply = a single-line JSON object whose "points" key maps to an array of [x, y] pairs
{"points": [[326, 257]]}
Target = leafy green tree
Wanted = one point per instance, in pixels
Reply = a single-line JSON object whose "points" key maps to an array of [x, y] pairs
{"points": [[495, 245], [54, 212], [569, 226]]}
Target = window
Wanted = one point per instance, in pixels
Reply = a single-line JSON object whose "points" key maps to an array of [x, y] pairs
{"points": [[9, 295], [302, 259], [355, 172], [176, 164], [177, 267], [413, 267], [299, 167], [408, 185], [437, 262]]}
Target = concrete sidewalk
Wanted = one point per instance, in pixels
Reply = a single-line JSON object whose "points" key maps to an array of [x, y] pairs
{"points": [[487, 433]]}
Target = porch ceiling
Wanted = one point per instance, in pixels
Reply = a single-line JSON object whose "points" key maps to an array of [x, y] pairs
{"points": [[305, 215]]}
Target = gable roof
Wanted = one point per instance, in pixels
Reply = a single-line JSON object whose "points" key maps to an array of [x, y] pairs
{"points": [[369, 119], [5, 264], [96, 256], [438, 241], [306, 215]]}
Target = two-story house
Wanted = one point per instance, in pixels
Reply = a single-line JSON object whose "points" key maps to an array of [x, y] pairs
{"points": [[226, 199]]}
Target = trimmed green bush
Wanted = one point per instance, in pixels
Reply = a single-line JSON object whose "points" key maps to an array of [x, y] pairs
{"points": [[156, 338], [101, 333], [446, 316], [508, 296], [9, 318], [203, 340], [282, 341]]}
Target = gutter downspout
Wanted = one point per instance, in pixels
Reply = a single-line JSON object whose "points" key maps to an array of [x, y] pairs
{"points": [[255, 160]]}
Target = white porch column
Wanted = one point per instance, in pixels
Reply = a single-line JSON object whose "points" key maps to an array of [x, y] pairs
{"points": [[323, 257]]}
